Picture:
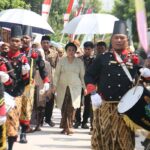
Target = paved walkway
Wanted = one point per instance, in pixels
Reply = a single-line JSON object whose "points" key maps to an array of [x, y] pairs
{"points": [[51, 139]]}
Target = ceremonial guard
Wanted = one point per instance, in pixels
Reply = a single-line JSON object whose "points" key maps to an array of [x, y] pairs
{"points": [[115, 71], [21, 68], [51, 55], [2, 119], [7, 78], [36, 62]]}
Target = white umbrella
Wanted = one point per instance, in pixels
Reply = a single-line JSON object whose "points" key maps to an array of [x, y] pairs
{"points": [[11, 17], [91, 24]]}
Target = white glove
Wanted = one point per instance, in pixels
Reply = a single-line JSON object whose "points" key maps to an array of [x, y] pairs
{"points": [[25, 69], [145, 72], [96, 101], [4, 76], [2, 120], [45, 88], [9, 101]]}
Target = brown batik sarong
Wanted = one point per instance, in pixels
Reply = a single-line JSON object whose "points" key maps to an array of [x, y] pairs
{"points": [[3, 137], [27, 104], [12, 122], [110, 131], [67, 111]]}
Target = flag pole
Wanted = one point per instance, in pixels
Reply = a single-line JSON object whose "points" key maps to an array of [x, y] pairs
{"points": [[141, 21], [62, 38], [46, 6], [67, 15], [103, 37]]}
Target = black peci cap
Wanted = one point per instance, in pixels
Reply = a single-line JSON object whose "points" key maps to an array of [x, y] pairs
{"points": [[120, 27], [16, 31], [46, 37]]}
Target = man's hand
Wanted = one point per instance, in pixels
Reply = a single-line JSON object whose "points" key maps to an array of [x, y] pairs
{"points": [[46, 87], [25, 69], [4, 76], [96, 101], [2, 120]]}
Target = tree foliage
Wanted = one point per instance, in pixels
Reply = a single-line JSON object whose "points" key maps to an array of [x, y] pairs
{"points": [[6, 4], [125, 9], [58, 9], [36, 5], [96, 5]]}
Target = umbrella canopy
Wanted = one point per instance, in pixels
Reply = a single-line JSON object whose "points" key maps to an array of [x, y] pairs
{"points": [[11, 17], [91, 24]]}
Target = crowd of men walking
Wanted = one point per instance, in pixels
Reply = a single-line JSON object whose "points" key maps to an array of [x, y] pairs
{"points": [[38, 75], [27, 73]]}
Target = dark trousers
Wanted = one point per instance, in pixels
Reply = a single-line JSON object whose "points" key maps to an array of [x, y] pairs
{"points": [[86, 112], [49, 108]]}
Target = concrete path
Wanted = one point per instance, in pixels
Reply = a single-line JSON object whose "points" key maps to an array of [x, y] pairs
{"points": [[51, 139]]}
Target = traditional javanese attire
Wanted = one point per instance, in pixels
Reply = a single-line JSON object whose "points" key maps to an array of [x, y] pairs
{"points": [[69, 81], [109, 129], [2, 119]]}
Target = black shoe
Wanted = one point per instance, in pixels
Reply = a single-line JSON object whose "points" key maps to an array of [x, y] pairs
{"points": [[23, 139], [85, 126], [51, 123], [11, 141], [76, 125], [145, 142]]}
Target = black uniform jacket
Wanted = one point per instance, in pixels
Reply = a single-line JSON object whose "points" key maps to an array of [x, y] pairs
{"points": [[6, 66], [17, 60], [38, 63], [87, 61], [112, 81]]}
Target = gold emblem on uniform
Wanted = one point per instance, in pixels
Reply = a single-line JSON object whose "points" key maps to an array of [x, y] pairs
{"points": [[113, 62], [129, 65]]}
